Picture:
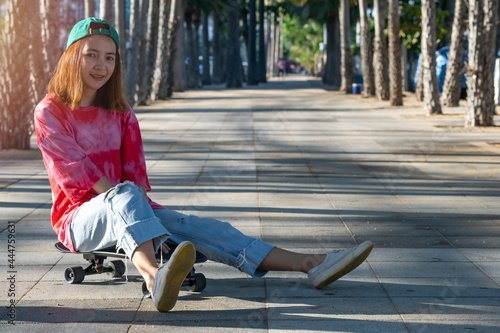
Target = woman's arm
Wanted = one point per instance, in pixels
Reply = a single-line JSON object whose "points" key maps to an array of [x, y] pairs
{"points": [[104, 184]]}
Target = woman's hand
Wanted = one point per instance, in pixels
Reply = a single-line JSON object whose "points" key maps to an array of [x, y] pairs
{"points": [[143, 188]]}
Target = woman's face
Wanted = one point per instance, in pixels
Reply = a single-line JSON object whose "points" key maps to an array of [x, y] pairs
{"points": [[97, 65]]}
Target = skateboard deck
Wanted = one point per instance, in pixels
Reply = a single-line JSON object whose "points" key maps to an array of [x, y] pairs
{"points": [[116, 268]]}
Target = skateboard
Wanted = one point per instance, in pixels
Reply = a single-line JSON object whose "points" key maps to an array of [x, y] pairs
{"points": [[195, 282]]}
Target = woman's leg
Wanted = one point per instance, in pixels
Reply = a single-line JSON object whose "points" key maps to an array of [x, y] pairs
{"points": [[123, 218], [145, 261], [283, 260], [221, 242], [218, 241]]}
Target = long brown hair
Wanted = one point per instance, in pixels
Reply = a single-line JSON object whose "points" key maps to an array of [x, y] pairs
{"points": [[66, 84]]}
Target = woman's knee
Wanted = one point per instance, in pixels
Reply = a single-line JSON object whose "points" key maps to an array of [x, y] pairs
{"points": [[126, 193]]}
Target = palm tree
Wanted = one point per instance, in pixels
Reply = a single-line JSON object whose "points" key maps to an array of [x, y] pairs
{"points": [[89, 8], [135, 25], [380, 52], [262, 44], [23, 78], [158, 90], [175, 51], [396, 81], [346, 63], [120, 28], [217, 75], [366, 52], [253, 70], [142, 89], [178, 68], [455, 66], [49, 11], [150, 49], [331, 73], [191, 17], [482, 30], [105, 10], [431, 90], [206, 80], [233, 58]]}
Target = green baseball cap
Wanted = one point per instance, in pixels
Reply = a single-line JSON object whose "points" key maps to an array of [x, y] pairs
{"points": [[92, 26]]}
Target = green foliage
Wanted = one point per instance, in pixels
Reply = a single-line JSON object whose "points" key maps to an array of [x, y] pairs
{"points": [[355, 49], [302, 39], [411, 29], [318, 10]]}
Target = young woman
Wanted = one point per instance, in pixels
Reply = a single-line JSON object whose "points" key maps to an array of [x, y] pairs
{"points": [[92, 148]]}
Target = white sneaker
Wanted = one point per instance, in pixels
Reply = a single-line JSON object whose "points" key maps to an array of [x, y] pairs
{"points": [[338, 263]]}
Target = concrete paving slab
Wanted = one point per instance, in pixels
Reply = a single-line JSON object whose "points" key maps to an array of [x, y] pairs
{"points": [[405, 255], [27, 273], [64, 327], [427, 269], [469, 309], [441, 287], [77, 311], [202, 326], [95, 287], [375, 324], [457, 325]]}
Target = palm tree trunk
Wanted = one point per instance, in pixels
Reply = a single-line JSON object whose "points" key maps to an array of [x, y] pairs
{"points": [[331, 74], [262, 43], [89, 8], [160, 68], [380, 52], [233, 59], [396, 80], [276, 46], [366, 52], [431, 90], [22, 76], [179, 68], [135, 25], [106, 10], [454, 69], [192, 24], [482, 30], [217, 75], [206, 80], [142, 74], [346, 66], [50, 33], [151, 47], [120, 27], [174, 22], [253, 71], [419, 89]]}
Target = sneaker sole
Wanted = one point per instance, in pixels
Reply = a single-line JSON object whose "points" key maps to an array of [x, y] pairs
{"points": [[182, 264], [344, 266]]}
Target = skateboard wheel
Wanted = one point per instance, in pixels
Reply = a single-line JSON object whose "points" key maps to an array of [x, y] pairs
{"points": [[200, 282], [117, 268], [74, 275]]}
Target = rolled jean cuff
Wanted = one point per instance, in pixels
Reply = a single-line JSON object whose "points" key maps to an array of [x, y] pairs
{"points": [[252, 256], [141, 231]]}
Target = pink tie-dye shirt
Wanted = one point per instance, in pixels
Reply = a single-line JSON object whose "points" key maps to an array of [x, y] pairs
{"points": [[81, 146]]}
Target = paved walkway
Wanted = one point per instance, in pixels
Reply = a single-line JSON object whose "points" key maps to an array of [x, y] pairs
{"points": [[304, 168]]}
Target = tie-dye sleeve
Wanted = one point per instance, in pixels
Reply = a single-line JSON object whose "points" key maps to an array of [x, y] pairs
{"points": [[67, 163]]}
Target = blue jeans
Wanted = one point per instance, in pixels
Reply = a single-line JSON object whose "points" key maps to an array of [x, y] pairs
{"points": [[124, 218]]}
